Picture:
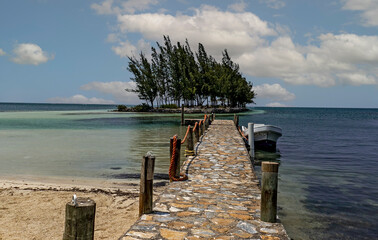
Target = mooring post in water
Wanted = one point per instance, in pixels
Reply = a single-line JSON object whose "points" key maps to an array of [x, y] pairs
{"points": [[182, 115], [251, 140], [236, 120], [190, 144], [146, 184], [207, 122], [200, 128], [177, 157], [269, 183], [80, 219], [196, 133]]}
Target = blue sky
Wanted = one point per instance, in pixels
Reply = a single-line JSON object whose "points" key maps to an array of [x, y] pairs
{"points": [[299, 53]]}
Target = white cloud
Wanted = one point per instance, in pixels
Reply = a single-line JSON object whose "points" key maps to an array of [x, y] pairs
{"points": [[274, 92], [29, 53], [2, 53], [132, 6], [238, 7], [126, 49], [276, 4], [108, 7], [275, 104], [216, 29], [115, 89], [262, 49], [368, 9], [80, 99], [104, 8], [336, 60], [112, 38]]}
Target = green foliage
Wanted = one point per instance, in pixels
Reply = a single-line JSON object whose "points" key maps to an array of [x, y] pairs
{"points": [[121, 108], [168, 106], [142, 108], [176, 75]]}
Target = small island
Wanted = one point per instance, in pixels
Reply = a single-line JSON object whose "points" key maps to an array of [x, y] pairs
{"points": [[174, 75], [175, 109]]}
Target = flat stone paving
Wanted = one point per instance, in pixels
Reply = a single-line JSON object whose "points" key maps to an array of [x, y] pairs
{"points": [[221, 199]]}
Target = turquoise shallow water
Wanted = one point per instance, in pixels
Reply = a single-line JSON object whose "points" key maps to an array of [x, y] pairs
{"points": [[327, 178], [83, 143]]}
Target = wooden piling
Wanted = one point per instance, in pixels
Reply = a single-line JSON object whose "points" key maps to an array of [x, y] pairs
{"points": [[146, 184], [190, 144], [196, 133], [177, 157], [203, 127], [269, 183], [80, 219], [207, 122], [182, 115], [236, 120]]}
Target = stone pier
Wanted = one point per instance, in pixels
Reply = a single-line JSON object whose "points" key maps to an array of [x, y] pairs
{"points": [[221, 199]]}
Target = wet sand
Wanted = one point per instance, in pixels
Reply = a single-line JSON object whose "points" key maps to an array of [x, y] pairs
{"points": [[34, 208]]}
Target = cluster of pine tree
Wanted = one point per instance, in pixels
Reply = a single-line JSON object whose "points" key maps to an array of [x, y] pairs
{"points": [[176, 74]]}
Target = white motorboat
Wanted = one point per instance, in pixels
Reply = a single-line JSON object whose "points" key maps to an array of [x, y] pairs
{"points": [[266, 136]]}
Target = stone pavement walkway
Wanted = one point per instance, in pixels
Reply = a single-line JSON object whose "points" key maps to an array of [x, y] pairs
{"points": [[221, 199]]}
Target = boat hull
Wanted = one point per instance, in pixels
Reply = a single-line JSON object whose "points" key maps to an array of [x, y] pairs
{"points": [[266, 137], [266, 145]]}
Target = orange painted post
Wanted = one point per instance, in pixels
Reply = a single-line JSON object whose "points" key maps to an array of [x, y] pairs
{"points": [[177, 157]]}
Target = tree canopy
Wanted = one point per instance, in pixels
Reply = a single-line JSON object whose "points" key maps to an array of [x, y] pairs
{"points": [[176, 74]]}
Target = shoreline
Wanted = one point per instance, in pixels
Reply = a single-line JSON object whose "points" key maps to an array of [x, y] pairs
{"points": [[189, 110], [34, 207]]}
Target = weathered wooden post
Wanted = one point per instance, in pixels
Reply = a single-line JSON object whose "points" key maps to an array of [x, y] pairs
{"points": [[200, 129], [80, 219], [251, 140], [190, 144], [177, 157], [146, 184], [203, 127], [196, 133], [182, 115], [207, 122], [269, 183], [236, 120]]}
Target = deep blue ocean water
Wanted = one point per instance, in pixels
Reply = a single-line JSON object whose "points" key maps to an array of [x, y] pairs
{"points": [[328, 185]]}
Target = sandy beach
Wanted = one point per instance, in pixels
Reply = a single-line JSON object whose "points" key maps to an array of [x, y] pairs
{"points": [[34, 208]]}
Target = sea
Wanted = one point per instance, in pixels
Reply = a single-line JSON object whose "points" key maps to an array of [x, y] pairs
{"points": [[328, 174]]}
